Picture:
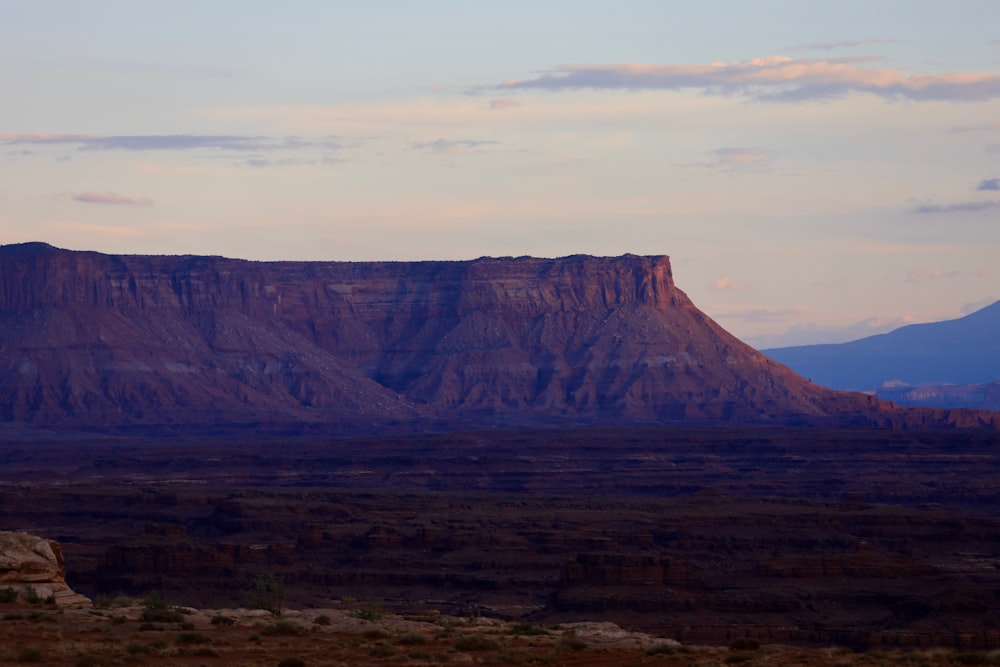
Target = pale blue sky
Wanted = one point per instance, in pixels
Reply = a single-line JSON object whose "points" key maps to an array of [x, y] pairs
{"points": [[817, 171]]}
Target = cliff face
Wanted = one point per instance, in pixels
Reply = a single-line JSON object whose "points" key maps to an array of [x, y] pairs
{"points": [[101, 341]]}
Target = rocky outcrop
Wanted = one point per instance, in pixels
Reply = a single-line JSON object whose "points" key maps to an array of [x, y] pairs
{"points": [[33, 567], [103, 341]]}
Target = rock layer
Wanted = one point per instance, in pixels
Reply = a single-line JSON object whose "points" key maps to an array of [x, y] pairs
{"points": [[105, 341], [34, 568]]}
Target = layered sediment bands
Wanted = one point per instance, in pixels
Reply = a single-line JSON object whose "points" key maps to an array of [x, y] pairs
{"points": [[105, 341]]}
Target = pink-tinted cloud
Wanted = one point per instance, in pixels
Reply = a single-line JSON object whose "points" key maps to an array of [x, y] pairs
{"points": [[958, 207], [926, 275], [726, 284], [111, 199], [732, 158], [174, 142], [838, 44], [503, 103], [451, 146], [777, 78]]}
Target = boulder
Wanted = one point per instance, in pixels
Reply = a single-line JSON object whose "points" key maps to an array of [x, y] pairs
{"points": [[34, 568]]}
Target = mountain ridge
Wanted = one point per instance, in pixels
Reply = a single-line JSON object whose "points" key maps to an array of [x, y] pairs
{"points": [[96, 341], [962, 351]]}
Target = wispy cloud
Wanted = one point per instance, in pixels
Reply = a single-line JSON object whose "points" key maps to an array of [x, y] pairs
{"points": [[111, 199], [777, 78], [451, 146], [982, 127], [989, 184], [958, 207], [926, 275], [503, 103], [838, 44], [732, 158], [726, 284], [757, 315], [173, 142]]}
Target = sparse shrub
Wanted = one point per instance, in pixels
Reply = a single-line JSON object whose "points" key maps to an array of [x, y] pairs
{"points": [[158, 610], [381, 651], [570, 642], [193, 638], [8, 595], [378, 633], [662, 649], [150, 626], [322, 619], [976, 658], [412, 639], [476, 643], [31, 596], [292, 662], [206, 652], [744, 644], [90, 661], [265, 592], [284, 628], [368, 611], [527, 630], [735, 658], [117, 620], [31, 655], [220, 619], [102, 601]]}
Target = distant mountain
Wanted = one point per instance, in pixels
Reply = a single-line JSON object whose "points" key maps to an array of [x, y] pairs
{"points": [[964, 351], [110, 342]]}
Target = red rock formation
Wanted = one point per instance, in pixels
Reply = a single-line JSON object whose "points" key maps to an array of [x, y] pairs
{"points": [[102, 341]]}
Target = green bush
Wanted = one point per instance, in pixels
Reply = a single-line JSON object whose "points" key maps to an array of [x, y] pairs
{"points": [[476, 643], [744, 644], [412, 639], [8, 595], [157, 610], [284, 628], [265, 592], [571, 642], [220, 619], [193, 638], [527, 629], [368, 611], [322, 619]]}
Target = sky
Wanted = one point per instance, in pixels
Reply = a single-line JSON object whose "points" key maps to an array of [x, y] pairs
{"points": [[816, 171]]}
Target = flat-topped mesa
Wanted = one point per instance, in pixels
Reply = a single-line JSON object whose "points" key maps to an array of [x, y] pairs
{"points": [[100, 341]]}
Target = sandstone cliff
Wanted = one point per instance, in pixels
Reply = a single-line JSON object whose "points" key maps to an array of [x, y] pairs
{"points": [[33, 568], [104, 341]]}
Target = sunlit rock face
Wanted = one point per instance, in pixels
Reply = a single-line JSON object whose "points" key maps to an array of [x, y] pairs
{"points": [[98, 341], [34, 569]]}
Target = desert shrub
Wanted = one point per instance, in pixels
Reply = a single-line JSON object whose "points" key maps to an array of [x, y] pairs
{"points": [[476, 643], [90, 661], [570, 642], [412, 639], [735, 658], [30, 655], [662, 649], [368, 611], [205, 652], [292, 662], [265, 592], [284, 628], [381, 651], [377, 633], [150, 626], [102, 601], [220, 619], [31, 596], [744, 644], [322, 619], [976, 658], [527, 630], [8, 595], [158, 610], [193, 638]]}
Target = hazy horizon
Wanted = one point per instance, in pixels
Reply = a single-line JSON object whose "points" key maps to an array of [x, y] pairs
{"points": [[815, 173]]}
